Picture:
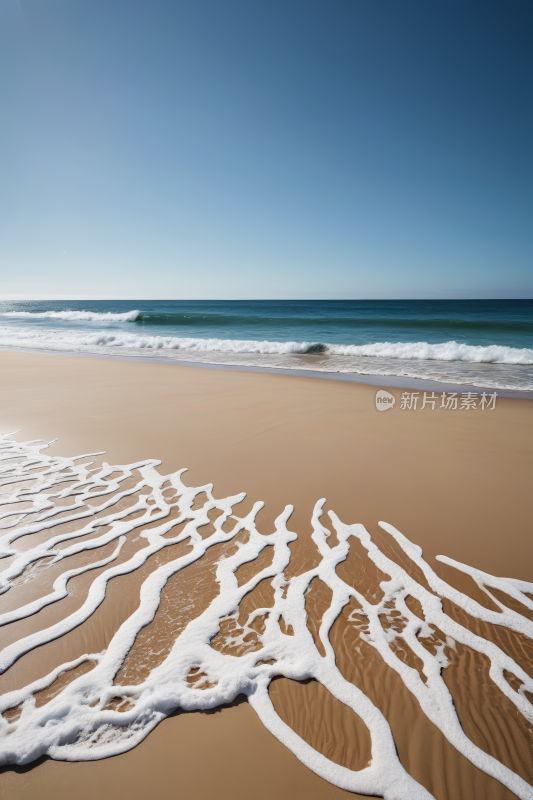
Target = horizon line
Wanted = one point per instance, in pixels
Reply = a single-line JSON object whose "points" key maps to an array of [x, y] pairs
{"points": [[49, 298]]}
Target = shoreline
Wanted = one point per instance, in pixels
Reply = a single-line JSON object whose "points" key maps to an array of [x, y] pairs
{"points": [[229, 427], [392, 381]]}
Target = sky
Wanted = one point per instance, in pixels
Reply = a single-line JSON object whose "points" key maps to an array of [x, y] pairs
{"points": [[234, 149]]}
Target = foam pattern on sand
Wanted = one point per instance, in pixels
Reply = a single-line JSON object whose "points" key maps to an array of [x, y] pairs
{"points": [[96, 715]]}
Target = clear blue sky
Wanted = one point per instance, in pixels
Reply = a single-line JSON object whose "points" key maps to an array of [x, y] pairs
{"points": [[266, 148]]}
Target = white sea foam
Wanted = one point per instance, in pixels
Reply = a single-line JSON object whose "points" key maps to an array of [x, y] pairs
{"points": [[79, 724], [72, 339], [73, 316], [446, 351]]}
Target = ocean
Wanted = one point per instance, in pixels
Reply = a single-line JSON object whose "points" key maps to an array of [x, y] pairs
{"points": [[485, 343]]}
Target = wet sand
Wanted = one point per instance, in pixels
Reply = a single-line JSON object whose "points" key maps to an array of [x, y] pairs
{"points": [[454, 482]]}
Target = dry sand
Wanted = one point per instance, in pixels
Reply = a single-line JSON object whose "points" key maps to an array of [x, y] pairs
{"points": [[454, 482]]}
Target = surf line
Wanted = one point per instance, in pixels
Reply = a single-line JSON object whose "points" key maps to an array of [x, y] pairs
{"points": [[390, 381]]}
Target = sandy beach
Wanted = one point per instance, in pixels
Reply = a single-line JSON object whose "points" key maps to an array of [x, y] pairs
{"points": [[454, 482], [266, 401]]}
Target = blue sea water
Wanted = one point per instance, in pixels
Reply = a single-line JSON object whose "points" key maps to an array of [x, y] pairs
{"points": [[421, 338]]}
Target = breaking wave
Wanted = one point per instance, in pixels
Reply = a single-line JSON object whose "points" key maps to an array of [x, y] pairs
{"points": [[230, 319], [446, 351], [199, 644], [75, 316]]}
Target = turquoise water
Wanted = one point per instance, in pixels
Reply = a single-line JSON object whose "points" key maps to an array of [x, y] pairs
{"points": [[415, 337], [474, 322]]}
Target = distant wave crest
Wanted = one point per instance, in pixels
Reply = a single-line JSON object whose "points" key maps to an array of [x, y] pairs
{"points": [[73, 316], [229, 318], [446, 351]]}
